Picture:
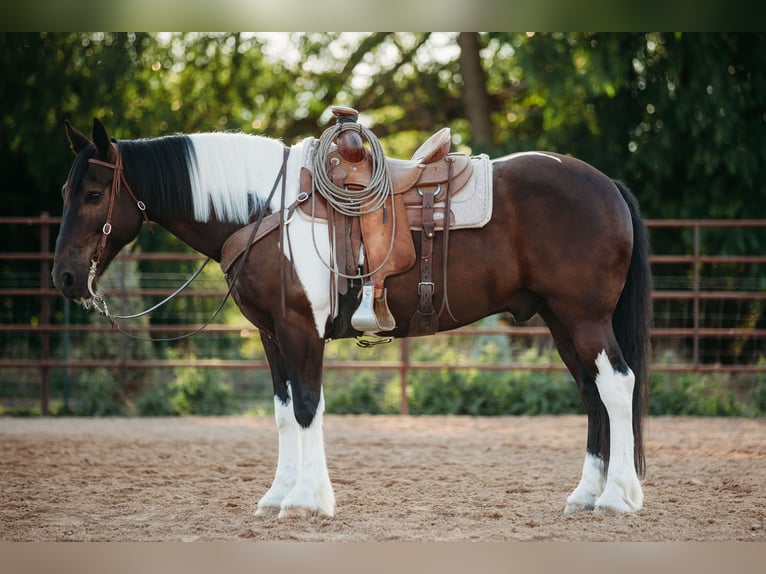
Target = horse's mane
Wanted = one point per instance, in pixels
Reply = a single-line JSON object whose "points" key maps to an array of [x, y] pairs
{"points": [[157, 169], [226, 176]]}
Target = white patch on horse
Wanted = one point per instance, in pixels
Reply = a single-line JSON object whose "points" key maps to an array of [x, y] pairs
{"points": [[622, 492], [590, 487], [528, 153], [306, 238], [230, 167]]}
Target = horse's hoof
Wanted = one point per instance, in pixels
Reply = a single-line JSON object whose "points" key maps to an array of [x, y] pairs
{"points": [[612, 511], [614, 507], [574, 508], [267, 511], [296, 512]]}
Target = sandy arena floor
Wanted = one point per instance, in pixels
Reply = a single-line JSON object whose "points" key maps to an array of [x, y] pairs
{"points": [[395, 478]]}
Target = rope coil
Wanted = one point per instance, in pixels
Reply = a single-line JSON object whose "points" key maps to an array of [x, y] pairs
{"points": [[352, 202]]}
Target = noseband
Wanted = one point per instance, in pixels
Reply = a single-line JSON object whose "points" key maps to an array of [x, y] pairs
{"points": [[118, 182]]}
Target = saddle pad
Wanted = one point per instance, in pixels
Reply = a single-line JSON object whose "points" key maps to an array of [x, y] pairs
{"points": [[471, 208]]}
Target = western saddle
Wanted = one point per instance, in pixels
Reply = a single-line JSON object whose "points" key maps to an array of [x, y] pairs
{"points": [[383, 234]]}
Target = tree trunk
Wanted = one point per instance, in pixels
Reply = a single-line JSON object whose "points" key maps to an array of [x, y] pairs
{"points": [[475, 97]]}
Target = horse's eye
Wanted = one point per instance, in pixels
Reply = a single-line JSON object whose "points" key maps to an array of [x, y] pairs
{"points": [[93, 197]]}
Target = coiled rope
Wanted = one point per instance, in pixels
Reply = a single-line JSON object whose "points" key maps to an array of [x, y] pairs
{"points": [[352, 202]]}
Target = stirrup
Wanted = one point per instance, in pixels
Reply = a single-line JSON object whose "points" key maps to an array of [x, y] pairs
{"points": [[372, 315]]}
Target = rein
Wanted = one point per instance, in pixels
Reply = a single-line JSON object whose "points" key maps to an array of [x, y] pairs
{"points": [[97, 299]]}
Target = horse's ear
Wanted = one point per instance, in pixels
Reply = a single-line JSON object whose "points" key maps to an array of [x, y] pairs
{"points": [[101, 139], [77, 141]]}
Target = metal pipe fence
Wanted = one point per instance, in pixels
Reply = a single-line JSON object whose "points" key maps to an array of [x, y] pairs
{"points": [[685, 299]]}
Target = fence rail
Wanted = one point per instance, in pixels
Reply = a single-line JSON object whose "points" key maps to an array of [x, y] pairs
{"points": [[694, 294]]}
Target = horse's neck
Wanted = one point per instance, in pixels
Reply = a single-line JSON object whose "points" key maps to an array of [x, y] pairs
{"points": [[206, 237]]}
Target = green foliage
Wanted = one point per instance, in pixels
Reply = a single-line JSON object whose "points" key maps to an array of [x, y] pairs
{"points": [[100, 395], [156, 402], [692, 394], [200, 392], [472, 392], [365, 395], [758, 397]]}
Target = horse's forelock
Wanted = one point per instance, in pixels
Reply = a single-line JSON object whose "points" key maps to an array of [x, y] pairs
{"points": [[77, 171]]}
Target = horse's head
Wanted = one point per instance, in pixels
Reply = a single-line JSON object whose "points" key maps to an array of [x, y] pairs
{"points": [[99, 217]]}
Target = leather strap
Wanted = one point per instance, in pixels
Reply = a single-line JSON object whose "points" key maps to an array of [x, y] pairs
{"points": [[425, 321], [118, 181]]}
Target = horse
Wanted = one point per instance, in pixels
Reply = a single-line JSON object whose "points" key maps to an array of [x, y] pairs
{"points": [[565, 242]]}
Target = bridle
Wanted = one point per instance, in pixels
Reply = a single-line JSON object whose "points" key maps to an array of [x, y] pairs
{"points": [[119, 181]]}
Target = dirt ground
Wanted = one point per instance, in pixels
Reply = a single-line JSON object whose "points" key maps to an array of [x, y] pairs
{"points": [[395, 478]]}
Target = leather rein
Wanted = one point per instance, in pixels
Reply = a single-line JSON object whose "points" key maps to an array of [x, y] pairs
{"points": [[119, 181]]}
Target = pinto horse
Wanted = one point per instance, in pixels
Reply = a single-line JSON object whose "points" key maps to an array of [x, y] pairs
{"points": [[565, 241]]}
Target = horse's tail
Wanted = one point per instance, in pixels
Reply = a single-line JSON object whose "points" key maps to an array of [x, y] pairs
{"points": [[632, 320]]}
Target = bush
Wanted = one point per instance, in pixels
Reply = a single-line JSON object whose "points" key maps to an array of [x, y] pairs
{"points": [[156, 402], [201, 392], [691, 394], [364, 395], [473, 392], [101, 394]]}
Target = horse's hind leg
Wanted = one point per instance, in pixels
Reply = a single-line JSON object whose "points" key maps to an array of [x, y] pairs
{"points": [[593, 478], [609, 480], [614, 381]]}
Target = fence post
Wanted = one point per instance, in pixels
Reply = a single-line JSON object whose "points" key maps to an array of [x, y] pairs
{"points": [[45, 312], [404, 367], [696, 300]]}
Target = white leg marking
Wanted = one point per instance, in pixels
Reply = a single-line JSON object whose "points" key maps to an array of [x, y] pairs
{"points": [[590, 487], [288, 458], [313, 492], [622, 492]]}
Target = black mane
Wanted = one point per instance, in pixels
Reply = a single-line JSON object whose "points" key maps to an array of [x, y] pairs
{"points": [[158, 171]]}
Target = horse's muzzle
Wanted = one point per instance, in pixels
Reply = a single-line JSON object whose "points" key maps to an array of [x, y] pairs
{"points": [[71, 286]]}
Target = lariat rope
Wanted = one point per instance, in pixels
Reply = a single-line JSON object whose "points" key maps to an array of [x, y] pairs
{"points": [[353, 202]]}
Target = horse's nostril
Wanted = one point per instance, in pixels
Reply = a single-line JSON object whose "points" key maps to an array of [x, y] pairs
{"points": [[67, 279]]}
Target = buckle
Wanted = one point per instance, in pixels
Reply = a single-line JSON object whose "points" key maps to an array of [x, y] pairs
{"points": [[423, 285], [436, 192]]}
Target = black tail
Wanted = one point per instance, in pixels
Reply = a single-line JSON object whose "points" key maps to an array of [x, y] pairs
{"points": [[632, 320]]}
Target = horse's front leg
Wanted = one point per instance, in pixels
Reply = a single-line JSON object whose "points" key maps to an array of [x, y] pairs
{"points": [[289, 453], [302, 483]]}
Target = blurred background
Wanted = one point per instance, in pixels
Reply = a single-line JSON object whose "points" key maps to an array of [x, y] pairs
{"points": [[679, 117]]}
